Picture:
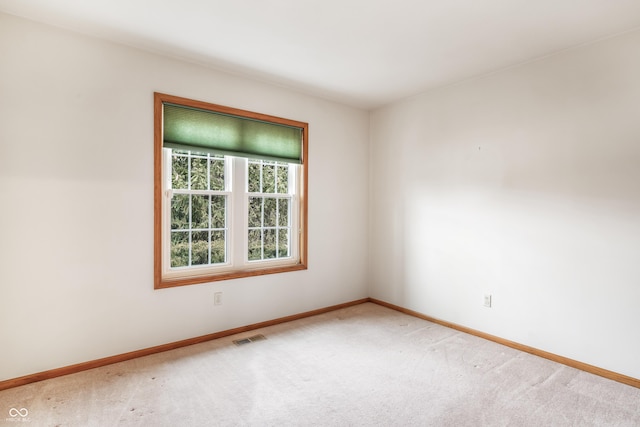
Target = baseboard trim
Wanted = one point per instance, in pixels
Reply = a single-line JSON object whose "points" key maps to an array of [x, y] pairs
{"points": [[634, 382], [84, 366], [72, 369]]}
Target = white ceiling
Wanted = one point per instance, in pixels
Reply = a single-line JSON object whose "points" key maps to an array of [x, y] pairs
{"points": [[365, 53]]}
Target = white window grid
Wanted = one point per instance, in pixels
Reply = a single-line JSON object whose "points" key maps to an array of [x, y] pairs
{"points": [[263, 196], [235, 169]]}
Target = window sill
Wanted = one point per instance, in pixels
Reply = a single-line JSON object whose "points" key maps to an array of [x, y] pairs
{"points": [[164, 283]]}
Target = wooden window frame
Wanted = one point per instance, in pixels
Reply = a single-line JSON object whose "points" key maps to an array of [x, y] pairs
{"points": [[161, 282]]}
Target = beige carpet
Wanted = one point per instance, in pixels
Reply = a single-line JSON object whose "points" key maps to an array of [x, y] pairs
{"points": [[361, 366]]}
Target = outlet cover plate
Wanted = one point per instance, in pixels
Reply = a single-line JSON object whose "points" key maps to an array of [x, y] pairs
{"points": [[487, 300]]}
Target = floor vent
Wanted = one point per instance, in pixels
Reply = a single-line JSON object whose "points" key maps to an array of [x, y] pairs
{"points": [[243, 341]]}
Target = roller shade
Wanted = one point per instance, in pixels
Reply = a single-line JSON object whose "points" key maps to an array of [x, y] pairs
{"points": [[189, 128]]}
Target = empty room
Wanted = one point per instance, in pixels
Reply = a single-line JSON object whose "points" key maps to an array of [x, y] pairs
{"points": [[321, 213]]}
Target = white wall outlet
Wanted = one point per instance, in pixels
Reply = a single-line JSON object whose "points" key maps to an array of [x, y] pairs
{"points": [[487, 300], [217, 298]]}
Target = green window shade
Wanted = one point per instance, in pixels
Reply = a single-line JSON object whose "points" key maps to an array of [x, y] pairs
{"points": [[188, 128]]}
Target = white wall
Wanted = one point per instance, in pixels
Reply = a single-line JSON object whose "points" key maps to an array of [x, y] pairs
{"points": [[524, 184], [76, 222]]}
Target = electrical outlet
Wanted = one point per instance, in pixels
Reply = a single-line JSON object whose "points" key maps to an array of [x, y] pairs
{"points": [[487, 300], [217, 298]]}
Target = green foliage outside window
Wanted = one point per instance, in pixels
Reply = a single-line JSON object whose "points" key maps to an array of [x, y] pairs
{"points": [[268, 233], [198, 221]]}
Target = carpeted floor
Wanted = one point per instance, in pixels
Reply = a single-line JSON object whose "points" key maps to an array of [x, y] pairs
{"points": [[361, 366]]}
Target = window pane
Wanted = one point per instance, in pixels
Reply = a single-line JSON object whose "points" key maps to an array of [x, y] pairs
{"points": [[199, 173], [216, 174], [218, 211], [218, 247], [269, 243], [179, 249], [283, 212], [199, 247], [179, 211], [255, 211], [269, 219], [283, 243], [199, 211], [179, 172], [253, 179], [283, 179], [268, 178], [255, 245]]}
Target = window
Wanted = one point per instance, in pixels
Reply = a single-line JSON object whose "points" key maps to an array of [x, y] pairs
{"points": [[230, 193], [271, 197]]}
